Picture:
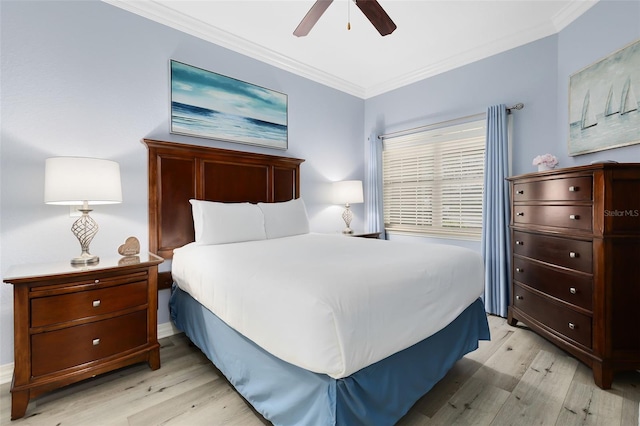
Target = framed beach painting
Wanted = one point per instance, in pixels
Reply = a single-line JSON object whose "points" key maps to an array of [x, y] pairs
{"points": [[604, 109], [209, 105], [604, 112]]}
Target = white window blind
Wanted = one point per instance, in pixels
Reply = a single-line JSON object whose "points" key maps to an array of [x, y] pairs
{"points": [[433, 181]]}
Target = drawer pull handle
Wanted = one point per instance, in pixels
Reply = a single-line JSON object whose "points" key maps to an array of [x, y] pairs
{"points": [[96, 281], [573, 189], [519, 243], [520, 192], [573, 290], [573, 254], [96, 303], [96, 342], [574, 216], [572, 326], [519, 270], [519, 298], [520, 214]]}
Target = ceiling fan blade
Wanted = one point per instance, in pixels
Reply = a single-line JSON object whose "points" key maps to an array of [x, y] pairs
{"points": [[378, 17], [311, 17]]}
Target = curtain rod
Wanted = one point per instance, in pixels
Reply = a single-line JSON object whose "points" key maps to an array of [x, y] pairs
{"points": [[517, 106]]}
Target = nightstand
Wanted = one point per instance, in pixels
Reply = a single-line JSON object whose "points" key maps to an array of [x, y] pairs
{"points": [[73, 323], [365, 235]]}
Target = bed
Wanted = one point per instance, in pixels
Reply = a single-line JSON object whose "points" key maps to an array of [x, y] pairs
{"points": [[354, 339]]}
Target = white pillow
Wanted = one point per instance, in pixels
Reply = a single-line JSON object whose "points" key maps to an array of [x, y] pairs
{"points": [[221, 223], [285, 219]]}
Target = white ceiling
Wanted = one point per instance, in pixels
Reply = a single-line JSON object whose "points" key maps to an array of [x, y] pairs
{"points": [[433, 36]]}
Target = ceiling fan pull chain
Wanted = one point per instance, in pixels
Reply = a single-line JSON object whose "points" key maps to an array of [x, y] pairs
{"points": [[371, 9]]}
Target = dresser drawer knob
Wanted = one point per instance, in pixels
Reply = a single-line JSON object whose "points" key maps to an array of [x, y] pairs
{"points": [[96, 303], [519, 243], [573, 189], [573, 290], [96, 281], [573, 254], [520, 192], [519, 297], [96, 342], [574, 216], [572, 326], [520, 214], [519, 270]]}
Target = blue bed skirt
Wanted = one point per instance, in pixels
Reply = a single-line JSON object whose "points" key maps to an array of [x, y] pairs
{"points": [[289, 395]]}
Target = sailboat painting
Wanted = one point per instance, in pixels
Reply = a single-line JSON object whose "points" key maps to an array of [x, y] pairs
{"points": [[604, 107], [611, 106], [628, 101], [588, 117]]}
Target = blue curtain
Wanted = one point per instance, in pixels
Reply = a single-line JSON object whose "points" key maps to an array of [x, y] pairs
{"points": [[373, 206], [496, 241]]}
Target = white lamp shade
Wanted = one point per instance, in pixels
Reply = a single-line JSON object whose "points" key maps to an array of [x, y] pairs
{"points": [[74, 180], [347, 191]]}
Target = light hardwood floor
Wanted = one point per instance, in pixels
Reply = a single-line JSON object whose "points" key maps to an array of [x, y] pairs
{"points": [[517, 378]]}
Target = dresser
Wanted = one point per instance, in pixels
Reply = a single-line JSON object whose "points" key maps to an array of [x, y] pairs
{"points": [[575, 243], [72, 323]]}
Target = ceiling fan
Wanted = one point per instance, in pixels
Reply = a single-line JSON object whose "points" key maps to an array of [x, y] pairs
{"points": [[371, 9]]}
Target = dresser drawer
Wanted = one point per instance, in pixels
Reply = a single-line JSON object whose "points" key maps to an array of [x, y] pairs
{"points": [[82, 304], [572, 254], [568, 286], [569, 323], [565, 189], [575, 217], [74, 346]]}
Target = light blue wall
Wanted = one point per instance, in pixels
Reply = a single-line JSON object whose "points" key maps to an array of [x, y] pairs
{"points": [[603, 29], [86, 78], [536, 74]]}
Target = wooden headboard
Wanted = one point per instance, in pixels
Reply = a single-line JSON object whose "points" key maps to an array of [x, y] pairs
{"points": [[179, 172]]}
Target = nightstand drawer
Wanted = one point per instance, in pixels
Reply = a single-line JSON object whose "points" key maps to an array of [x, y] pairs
{"points": [[567, 189], [72, 306], [74, 346], [571, 324], [572, 254], [71, 323], [571, 287], [574, 217]]}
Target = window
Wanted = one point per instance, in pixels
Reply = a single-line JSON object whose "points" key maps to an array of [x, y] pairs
{"points": [[433, 181]]}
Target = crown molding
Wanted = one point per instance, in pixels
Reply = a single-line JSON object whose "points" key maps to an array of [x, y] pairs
{"points": [[186, 24], [559, 21], [494, 47], [571, 12], [159, 13]]}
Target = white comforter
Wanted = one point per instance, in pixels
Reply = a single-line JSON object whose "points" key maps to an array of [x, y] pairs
{"points": [[328, 303]]}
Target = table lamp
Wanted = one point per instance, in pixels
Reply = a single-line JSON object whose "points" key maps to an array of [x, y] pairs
{"points": [[82, 181], [347, 192]]}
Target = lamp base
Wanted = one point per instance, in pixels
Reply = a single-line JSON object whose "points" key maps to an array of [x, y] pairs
{"points": [[85, 228], [85, 259], [347, 216]]}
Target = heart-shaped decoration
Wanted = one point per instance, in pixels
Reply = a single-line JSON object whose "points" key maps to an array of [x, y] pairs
{"points": [[131, 247]]}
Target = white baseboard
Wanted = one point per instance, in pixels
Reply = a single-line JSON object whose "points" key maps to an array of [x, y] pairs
{"points": [[167, 329], [6, 373], [164, 330]]}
